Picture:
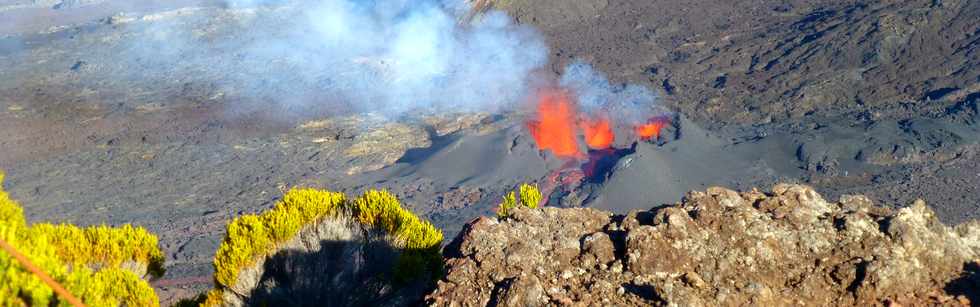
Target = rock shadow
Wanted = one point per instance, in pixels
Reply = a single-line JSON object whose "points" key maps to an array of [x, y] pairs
{"points": [[968, 284], [339, 273]]}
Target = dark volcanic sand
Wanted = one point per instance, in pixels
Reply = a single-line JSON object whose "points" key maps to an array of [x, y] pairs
{"points": [[855, 97]]}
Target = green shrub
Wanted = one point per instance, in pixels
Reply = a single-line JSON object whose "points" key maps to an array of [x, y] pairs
{"points": [[10, 213], [419, 239], [508, 204], [530, 197], [251, 237], [113, 286], [213, 298], [104, 246], [381, 209], [87, 260], [84, 260]]}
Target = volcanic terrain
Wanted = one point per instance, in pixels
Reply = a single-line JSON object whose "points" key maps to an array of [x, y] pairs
{"points": [[850, 97]]}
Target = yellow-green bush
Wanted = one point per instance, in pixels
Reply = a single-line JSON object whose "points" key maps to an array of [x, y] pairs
{"points": [[381, 209], [104, 246], [251, 237], [84, 260], [10, 212], [419, 239], [530, 197], [213, 298], [113, 286], [87, 260], [508, 204]]}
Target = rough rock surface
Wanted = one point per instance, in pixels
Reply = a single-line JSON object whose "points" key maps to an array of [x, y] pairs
{"points": [[762, 61], [718, 247], [864, 97]]}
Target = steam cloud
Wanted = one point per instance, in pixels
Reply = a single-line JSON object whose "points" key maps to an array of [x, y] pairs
{"points": [[623, 103], [387, 56]]}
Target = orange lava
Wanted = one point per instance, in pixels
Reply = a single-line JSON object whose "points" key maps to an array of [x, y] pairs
{"points": [[554, 127], [651, 130], [598, 132]]}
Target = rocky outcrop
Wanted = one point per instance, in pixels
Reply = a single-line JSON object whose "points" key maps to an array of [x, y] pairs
{"points": [[718, 247]]}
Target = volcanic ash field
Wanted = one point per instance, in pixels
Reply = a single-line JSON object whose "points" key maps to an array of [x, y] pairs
{"points": [[179, 116]]}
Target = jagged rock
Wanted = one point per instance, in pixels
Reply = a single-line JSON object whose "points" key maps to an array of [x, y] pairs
{"points": [[717, 247]]}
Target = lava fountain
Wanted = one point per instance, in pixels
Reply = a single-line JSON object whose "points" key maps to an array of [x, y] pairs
{"points": [[556, 127], [598, 132], [651, 129]]}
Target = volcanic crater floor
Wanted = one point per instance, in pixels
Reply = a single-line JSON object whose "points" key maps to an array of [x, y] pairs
{"points": [[182, 158]]}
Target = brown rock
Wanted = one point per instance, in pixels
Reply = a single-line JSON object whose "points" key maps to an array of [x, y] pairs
{"points": [[598, 248], [718, 247]]}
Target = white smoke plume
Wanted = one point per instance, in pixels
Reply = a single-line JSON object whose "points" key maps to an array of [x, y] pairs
{"points": [[628, 104], [386, 56], [382, 56]]}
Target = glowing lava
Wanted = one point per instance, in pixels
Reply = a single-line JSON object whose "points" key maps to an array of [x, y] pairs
{"points": [[651, 129], [598, 132], [554, 127]]}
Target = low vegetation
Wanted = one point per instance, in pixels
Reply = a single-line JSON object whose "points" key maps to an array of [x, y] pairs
{"points": [[104, 266], [251, 237], [96, 264], [419, 239], [530, 196]]}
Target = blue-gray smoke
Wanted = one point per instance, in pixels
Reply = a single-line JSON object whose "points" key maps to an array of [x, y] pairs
{"points": [[385, 56], [625, 104]]}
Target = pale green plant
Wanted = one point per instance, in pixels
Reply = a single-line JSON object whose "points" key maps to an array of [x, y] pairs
{"points": [[530, 197]]}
